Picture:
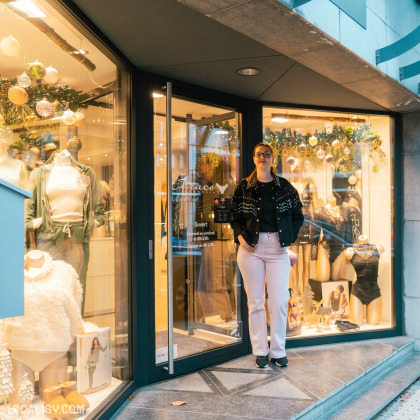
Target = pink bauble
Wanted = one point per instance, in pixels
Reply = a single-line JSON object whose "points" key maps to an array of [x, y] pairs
{"points": [[17, 95], [320, 154], [44, 108]]}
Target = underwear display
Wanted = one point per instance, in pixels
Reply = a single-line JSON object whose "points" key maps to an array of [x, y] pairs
{"points": [[365, 261], [305, 232], [37, 360]]}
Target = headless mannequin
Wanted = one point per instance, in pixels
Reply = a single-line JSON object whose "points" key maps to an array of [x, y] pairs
{"points": [[12, 170], [297, 282], [374, 308], [56, 369], [324, 269]]}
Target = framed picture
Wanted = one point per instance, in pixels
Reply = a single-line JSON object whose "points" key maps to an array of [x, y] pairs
{"points": [[94, 361], [336, 294]]}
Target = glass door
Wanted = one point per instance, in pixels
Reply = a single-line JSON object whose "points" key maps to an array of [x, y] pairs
{"points": [[191, 214]]}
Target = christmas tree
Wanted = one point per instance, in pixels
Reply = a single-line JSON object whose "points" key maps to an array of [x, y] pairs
{"points": [[26, 390], [6, 383]]}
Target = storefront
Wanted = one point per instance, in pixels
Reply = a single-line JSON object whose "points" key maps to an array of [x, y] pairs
{"points": [[132, 175]]}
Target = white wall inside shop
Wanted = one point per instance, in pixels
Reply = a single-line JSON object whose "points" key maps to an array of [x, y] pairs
{"points": [[411, 227], [387, 21]]}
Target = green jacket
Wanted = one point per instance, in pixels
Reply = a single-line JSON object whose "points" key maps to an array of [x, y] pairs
{"points": [[38, 205]]}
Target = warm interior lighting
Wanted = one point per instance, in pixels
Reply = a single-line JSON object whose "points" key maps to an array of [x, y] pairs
{"points": [[25, 8], [248, 71], [279, 119], [221, 131], [157, 95]]}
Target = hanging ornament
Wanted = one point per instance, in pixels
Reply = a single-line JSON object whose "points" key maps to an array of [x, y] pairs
{"points": [[329, 158], [313, 141], [74, 144], [69, 117], [31, 117], [302, 147], [336, 144], [320, 154], [10, 46], [2, 121], [17, 95], [4, 90], [291, 160], [80, 119], [329, 127], [307, 163], [375, 169], [346, 151], [352, 180], [44, 108], [24, 80], [51, 75], [37, 70], [341, 161]]}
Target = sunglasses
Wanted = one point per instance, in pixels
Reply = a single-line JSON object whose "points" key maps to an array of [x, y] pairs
{"points": [[265, 154]]}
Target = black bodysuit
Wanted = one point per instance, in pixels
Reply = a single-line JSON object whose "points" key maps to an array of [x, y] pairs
{"points": [[365, 261], [305, 232]]}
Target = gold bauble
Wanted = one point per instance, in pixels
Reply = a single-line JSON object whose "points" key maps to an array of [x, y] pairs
{"points": [[336, 144], [17, 95], [313, 141], [352, 180]]}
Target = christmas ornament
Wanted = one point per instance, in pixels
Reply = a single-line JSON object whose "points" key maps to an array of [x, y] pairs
{"points": [[17, 95], [302, 147], [329, 158], [329, 127], [375, 169], [44, 108], [313, 141], [10, 46], [26, 392], [352, 180], [4, 90], [346, 151], [74, 144], [6, 382], [336, 144], [320, 154], [50, 146], [341, 161], [291, 160], [37, 70], [31, 117], [80, 119], [51, 76], [24, 80], [69, 117], [307, 163]]}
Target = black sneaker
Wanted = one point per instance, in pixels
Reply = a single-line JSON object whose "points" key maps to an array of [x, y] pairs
{"points": [[282, 362], [262, 361]]}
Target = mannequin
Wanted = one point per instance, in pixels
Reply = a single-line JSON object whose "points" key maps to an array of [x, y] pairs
{"points": [[365, 292], [12, 170], [39, 340], [66, 195], [329, 226], [354, 221], [308, 195]]}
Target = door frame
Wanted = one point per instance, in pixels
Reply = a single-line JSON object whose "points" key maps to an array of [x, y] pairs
{"points": [[144, 226]]}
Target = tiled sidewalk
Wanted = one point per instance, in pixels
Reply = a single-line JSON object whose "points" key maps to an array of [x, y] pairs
{"points": [[238, 389]]}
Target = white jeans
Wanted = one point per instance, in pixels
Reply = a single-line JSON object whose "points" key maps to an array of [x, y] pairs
{"points": [[270, 262]]}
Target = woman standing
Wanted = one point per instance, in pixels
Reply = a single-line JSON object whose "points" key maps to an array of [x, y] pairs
{"points": [[93, 360], [267, 216]]}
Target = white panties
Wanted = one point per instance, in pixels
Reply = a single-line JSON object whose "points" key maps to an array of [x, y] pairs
{"points": [[37, 360]]}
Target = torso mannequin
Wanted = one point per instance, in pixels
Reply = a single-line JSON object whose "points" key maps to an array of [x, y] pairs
{"points": [[12, 170], [307, 193], [365, 260]]}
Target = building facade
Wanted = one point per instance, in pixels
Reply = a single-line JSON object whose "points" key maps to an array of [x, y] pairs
{"points": [[130, 124]]}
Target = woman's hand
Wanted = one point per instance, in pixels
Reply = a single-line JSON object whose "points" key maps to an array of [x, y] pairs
{"points": [[244, 244], [293, 257]]}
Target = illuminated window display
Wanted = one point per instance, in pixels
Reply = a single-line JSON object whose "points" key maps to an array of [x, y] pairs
{"points": [[341, 166], [63, 137]]}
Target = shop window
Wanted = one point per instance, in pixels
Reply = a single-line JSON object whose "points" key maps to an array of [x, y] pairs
{"points": [[342, 167], [63, 137]]}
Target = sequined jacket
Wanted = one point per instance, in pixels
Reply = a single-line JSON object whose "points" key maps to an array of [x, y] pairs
{"points": [[246, 210]]}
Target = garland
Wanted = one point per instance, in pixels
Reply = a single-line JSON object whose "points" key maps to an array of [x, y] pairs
{"points": [[343, 146]]}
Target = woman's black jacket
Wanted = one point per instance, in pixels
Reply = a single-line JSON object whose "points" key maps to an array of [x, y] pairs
{"points": [[246, 210]]}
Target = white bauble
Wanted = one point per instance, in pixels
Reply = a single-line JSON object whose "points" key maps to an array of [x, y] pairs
{"points": [[24, 80], [69, 117], [10, 46], [51, 76], [80, 119]]}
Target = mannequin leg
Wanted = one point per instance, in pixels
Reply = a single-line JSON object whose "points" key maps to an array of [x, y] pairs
{"points": [[322, 264], [306, 261], [18, 370], [356, 310], [337, 267], [54, 373], [294, 271], [374, 311]]}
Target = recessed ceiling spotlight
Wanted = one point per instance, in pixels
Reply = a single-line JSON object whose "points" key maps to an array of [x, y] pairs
{"points": [[248, 71], [157, 95], [279, 118]]}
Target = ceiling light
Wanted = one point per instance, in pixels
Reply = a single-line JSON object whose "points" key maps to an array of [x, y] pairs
{"points": [[157, 95], [77, 52], [354, 118], [25, 8], [248, 71], [279, 119], [222, 131]]}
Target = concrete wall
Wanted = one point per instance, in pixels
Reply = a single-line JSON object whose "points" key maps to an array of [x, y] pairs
{"points": [[387, 22], [411, 228]]}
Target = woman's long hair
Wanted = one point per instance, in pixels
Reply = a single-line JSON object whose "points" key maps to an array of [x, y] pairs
{"points": [[93, 344], [272, 167]]}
